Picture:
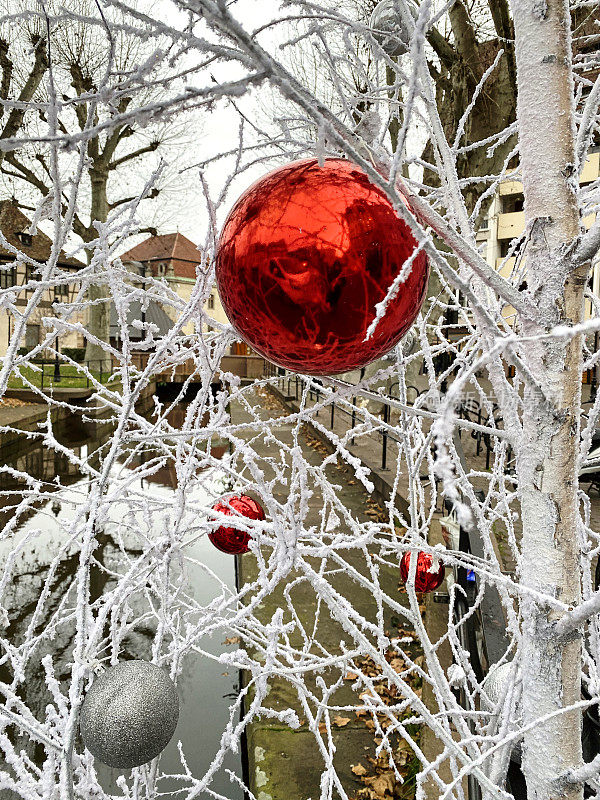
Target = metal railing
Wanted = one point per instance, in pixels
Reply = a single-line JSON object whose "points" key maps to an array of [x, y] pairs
{"points": [[291, 386], [52, 373]]}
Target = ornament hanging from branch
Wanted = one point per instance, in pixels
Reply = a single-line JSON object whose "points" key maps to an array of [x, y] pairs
{"points": [[129, 715], [428, 575], [304, 258], [230, 539]]}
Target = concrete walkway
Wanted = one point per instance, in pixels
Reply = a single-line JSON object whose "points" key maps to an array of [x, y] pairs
{"points": [[369, 448], [285, 764], [380, 453]]}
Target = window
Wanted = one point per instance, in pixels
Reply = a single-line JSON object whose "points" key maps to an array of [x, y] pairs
{"points": [[211, 301], [32, 336], [30, 276], [512, 203], [25, 239], [8, 277], [61, 292]]}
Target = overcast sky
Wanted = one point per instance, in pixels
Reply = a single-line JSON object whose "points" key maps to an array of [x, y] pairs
{"points": [[212, 132]]}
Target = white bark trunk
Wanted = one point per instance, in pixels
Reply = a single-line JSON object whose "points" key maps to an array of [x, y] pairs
{"points": [[547, 459]]}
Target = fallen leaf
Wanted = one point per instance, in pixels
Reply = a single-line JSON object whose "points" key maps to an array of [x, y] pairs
{"points": [[382, 784], [341, 722], [232, 640], [365, 794], [358, 769], [350, 676]]}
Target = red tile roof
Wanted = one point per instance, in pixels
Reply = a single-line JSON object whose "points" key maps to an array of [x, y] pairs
{"points": [[14, 222], [175, 248]]}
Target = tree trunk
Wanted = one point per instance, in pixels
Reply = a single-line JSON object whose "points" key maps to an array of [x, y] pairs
{"points": [[99, 316], [547, 461]]}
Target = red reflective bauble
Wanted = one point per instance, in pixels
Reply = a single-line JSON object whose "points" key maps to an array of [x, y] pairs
{"points": [[426, 580], [305, 256], [232, 540]]}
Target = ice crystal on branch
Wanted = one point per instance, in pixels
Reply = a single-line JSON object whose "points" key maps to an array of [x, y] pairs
{"points": [[105, 525]]}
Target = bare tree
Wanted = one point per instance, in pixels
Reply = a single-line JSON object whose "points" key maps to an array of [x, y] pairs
{"points": [[93, 56], [528, 363], [23, 64]]}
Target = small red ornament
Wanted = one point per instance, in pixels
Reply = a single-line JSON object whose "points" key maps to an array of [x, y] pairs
{"points": [[231, 540], [305, 256], [426, 579]]}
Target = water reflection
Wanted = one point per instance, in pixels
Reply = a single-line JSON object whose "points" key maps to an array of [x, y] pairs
{"points": [[46, 566]]}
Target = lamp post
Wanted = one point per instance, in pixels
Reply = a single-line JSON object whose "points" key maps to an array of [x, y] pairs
{"points": [[56, 367]]}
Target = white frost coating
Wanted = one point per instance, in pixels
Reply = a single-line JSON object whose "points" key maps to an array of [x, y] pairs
{"points": [[142, 545]]}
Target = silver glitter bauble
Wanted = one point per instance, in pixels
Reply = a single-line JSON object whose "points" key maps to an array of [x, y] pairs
{"points": [[494, 684], [388, 28], [130, 714]]}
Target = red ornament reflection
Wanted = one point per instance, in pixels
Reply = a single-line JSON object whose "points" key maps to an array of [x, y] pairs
{"points": [[426, 579], [304, 257], [231, 540]]}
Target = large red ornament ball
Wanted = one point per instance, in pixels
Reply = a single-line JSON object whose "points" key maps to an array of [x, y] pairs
{"points": [[426, 580], [229, 539], [305, 256]]}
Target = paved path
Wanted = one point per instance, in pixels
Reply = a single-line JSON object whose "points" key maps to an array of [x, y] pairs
{"points": [[370, 447], [284, 763], [380, 452]]}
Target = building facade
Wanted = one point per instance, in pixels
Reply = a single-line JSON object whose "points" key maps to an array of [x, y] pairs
{"points": [[23, 254], [176, 260], [504, 228]]}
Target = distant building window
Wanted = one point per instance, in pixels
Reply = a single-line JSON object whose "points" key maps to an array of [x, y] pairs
{"points": [[32, 336], [61, 291], [211, 301], [30, 276], [25, 239], [512, 203], [8, 278]]}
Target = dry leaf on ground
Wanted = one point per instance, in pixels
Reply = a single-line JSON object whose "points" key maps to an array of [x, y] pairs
{"points": [[382, 784], [341, 722]]}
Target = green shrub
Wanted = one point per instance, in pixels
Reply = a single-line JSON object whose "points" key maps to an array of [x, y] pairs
{"points": [[74, 353]]}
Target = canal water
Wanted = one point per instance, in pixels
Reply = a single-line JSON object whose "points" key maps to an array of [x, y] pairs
{"points": [[206, 689]]}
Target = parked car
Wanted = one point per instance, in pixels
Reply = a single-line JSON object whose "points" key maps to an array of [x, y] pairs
{"points": [[481, 631]]}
